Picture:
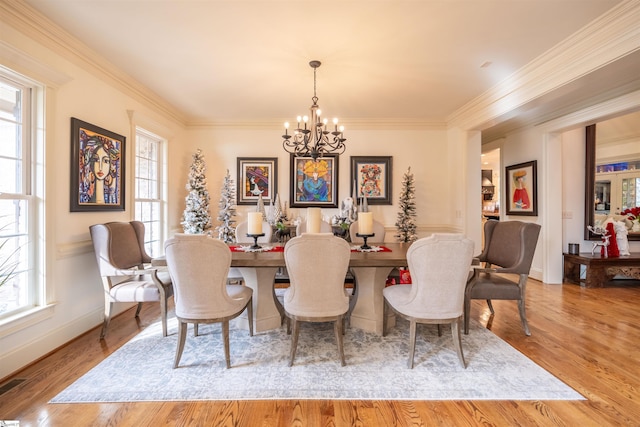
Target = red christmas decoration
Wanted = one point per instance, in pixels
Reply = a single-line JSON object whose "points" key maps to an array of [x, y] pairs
{"points": [[612, 249]]}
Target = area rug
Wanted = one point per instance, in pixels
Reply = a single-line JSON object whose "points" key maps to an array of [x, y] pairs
{"points": [[376, 368]]}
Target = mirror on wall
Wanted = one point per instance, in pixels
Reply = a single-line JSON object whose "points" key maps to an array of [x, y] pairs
{"points": [[612, 173]]}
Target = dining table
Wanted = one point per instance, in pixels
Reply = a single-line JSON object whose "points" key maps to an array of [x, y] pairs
{"points": [[369, 268]]}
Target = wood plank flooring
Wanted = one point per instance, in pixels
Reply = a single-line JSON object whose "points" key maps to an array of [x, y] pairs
{"points": [[589, 338]]}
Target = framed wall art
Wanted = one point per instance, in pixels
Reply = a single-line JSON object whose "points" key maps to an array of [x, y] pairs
{"points": [[522, 192], [257, 176], [314, 183], [371, 176], [97, 168]]}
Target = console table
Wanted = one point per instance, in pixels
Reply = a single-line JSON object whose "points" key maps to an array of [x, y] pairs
{"points": [[599, 270]]}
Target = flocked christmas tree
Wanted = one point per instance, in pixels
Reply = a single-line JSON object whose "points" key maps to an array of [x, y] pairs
{"points": [[406, 217], [196, 218], [227, 230]]}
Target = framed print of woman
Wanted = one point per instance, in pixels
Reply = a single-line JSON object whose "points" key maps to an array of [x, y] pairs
{"points": [[522, 193], [99, 169]]}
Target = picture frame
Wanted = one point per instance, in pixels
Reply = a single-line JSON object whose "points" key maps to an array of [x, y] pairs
{"points": [[310, 190], [257, 176], [522, 189], [371, 175], [98, 160]]}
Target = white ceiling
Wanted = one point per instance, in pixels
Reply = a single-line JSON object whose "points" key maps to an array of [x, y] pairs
{"points": [[224, 61]]}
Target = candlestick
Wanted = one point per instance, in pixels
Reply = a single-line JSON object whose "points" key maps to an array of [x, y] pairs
{"points": [[255, 240], [365, 237], [365, 223], [254, 223]]}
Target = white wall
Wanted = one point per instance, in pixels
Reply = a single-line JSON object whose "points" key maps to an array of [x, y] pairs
{"points": [[422, 150], [76, 301]]}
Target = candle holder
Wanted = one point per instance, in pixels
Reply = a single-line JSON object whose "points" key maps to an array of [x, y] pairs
{"points": [[255, 240], [365, 237]]}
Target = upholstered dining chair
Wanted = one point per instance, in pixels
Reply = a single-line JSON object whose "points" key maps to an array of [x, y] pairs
{"points": [[317, 265], [199, 266], [508, 251], [124, 267], [325, 227], [439, 267], [378, 231]]}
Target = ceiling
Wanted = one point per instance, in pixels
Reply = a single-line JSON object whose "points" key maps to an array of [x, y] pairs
{"points": [[230, 61]]}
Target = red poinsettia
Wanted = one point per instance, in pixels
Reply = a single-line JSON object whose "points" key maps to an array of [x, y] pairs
{"points": [[632, 213]]}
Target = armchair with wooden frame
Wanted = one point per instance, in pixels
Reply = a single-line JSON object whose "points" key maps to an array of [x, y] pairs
{"points": [[124, 267], [508, 251]]}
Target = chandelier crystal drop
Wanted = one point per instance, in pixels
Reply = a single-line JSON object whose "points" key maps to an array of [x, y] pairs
{"points": [[312, 137]]}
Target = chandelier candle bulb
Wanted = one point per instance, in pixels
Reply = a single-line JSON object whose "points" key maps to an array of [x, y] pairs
{"points": [[254, 225], [313, 220], [365, 223]]}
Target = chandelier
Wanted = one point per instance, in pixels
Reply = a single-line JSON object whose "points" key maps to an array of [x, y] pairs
{"points": [[313, 139]]}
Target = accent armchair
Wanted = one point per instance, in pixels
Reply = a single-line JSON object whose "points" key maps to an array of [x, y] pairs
{"points": [[508, 250], [123, 265]]}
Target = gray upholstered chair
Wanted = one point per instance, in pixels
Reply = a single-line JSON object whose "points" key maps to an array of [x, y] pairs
{"points": [[199, 265], [508, 250], [325, 227], [317, 265], [126, 275], [378, 231], [439, 267]]}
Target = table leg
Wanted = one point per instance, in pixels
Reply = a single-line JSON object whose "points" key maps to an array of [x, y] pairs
{"points": [[369, 308], [265, 313]]}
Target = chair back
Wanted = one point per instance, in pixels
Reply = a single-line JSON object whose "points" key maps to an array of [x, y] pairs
{"points": [[317, 265], [325, 227], [118, 245], [199, 266], [378, 230], [439, 266], [242, 228], [510, 245]]}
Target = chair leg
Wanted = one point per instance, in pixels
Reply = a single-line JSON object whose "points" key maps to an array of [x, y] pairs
{"points": [[294, 340], [225, 337], [339, 331], [490, 307], [108, 307], [467, 313], [163, 315], [385, 313], [182, 337], [412, 342], [439, 330], [457, 341], [523, 317], [195, 330], [250, 315], [138, 310]]}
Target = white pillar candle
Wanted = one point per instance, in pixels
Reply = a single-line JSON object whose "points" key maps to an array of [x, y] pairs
{"points": [[365, 223], [313, 220], [254, 225]]}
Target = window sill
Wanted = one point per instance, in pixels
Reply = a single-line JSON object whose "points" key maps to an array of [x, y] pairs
{"points": [[25, 319]]}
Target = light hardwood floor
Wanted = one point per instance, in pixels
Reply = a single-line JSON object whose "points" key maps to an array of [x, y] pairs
{"points": [[589, 338]]}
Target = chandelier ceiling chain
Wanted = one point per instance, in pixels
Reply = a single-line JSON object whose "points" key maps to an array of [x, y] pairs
{"points": [[313, 139]]}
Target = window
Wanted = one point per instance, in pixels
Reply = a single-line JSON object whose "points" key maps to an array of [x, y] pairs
{"points": [[21, 288], [149, 205]]}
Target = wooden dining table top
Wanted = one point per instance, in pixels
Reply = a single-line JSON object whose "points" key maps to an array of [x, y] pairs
{"points": [[395, 257]]}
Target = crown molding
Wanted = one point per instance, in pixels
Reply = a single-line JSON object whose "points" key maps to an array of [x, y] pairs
{"points": [[350, 124], [36, 26], [612, 36]]}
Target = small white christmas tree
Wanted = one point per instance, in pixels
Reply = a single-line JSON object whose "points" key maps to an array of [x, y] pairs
{"points": [[406, 217], [196, 218], [227, 230]]}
